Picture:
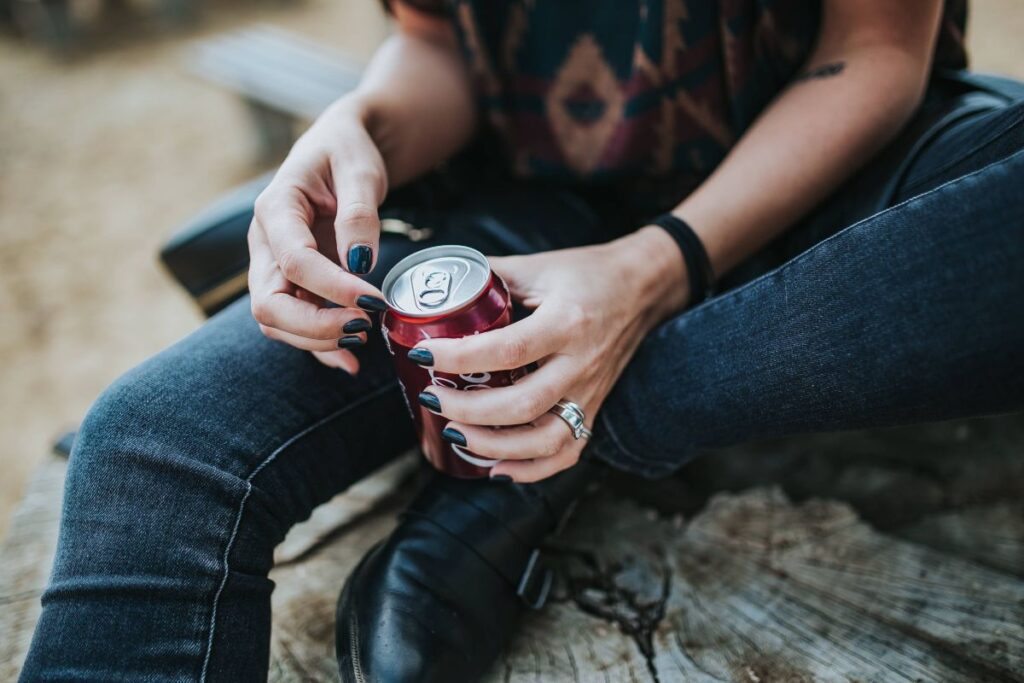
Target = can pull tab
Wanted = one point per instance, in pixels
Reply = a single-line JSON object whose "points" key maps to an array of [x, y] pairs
{"points": [[432, 287]]}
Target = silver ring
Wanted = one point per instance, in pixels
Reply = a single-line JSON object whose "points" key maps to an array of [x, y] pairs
{"points": [[572, 415]]}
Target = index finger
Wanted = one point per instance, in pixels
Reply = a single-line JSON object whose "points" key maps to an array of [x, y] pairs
{"points": [[359, 191], [536, 336], [284, 217]]}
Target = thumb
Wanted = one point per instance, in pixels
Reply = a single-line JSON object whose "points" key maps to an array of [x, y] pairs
{"points": [[514, 271]]}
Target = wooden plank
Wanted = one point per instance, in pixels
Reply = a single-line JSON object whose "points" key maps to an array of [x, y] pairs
{"points": [[760, 589], [859, 600], [25, 558], [754, 588], [276, 69]]}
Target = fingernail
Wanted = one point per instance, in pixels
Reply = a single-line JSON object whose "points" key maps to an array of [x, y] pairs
{"points": [[501, 477], [429, 401], [421, 356], [453, 436], [360, 257], [357, 325], [371, 303], [350, 342]]}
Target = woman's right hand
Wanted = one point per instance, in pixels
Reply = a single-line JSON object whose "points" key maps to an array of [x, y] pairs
{"points": [[315, 230]]}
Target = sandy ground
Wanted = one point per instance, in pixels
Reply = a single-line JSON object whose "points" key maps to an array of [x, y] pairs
{"points": [[101, 158]]}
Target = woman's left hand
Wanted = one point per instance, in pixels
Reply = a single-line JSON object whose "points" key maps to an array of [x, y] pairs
{"points": [[591, 308]]}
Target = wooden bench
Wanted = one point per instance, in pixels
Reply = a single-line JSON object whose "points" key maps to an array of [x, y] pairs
{"points": [[282, 78], [756, 564]]}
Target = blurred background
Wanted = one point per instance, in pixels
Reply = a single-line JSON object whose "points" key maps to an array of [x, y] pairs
{"points": [[119, 121]]}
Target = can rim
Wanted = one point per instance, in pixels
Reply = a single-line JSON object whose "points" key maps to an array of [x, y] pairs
{"points": [[416, 258]]}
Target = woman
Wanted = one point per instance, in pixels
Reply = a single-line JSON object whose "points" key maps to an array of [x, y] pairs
{"points": [[709, 142]]}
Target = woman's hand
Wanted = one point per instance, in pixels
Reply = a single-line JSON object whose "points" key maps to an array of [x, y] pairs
{"points": [[592, 306], [318, 213]]}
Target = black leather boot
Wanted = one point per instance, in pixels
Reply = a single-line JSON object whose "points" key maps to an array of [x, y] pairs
{"points": [[439, 599]]}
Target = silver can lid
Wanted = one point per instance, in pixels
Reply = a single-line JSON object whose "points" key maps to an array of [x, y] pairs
{"points": [[436, 281]]}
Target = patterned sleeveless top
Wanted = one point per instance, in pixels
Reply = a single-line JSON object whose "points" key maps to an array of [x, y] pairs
{"points": [[641, 97]]}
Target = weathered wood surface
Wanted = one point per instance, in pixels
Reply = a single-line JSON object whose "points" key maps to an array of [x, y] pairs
{"points": [[334, 517], [753, 589], [760, 589], [25, 558], [746, 586]]}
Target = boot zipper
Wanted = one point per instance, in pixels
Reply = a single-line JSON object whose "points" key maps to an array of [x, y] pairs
{"points": [[357, 669]]}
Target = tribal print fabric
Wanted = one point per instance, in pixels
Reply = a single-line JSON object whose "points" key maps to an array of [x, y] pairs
{"points": [[647, 93]]}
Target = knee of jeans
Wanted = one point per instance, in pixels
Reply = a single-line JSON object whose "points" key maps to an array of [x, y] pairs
{"points": [[139, 442], [124, 419], [142, 493]]}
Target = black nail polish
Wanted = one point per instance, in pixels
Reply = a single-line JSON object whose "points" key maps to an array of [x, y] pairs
{"points": [[502, 477], [350, 342], [429, 401], [357, 325], [421, 356], [371, 303], [360, 257], [453, 436]]}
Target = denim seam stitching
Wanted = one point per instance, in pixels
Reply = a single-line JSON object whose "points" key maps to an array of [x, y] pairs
{"points": [[245, 497], [993, 137], [606, 419]]}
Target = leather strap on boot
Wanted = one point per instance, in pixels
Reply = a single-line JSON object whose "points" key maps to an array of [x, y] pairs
{"points": [[488, 537]]}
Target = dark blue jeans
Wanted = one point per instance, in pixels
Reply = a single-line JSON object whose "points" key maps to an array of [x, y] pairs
{"points": [[191, 468]]}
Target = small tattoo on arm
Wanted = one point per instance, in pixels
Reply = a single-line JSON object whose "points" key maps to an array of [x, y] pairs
{"points": [[823, 71]]}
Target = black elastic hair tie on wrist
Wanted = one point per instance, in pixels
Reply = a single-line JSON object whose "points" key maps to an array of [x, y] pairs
{"points": [[698, 265]]}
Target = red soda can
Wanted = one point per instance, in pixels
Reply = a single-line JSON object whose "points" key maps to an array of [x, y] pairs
{"points": [[444, 291]]}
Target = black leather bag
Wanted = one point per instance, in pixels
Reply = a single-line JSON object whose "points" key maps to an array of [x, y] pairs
{"points": [[209, 256]]}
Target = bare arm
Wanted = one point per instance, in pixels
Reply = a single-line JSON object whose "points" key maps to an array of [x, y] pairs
{"points": [[861, 84], [594, 305], [316, 227], [415, 98]]}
